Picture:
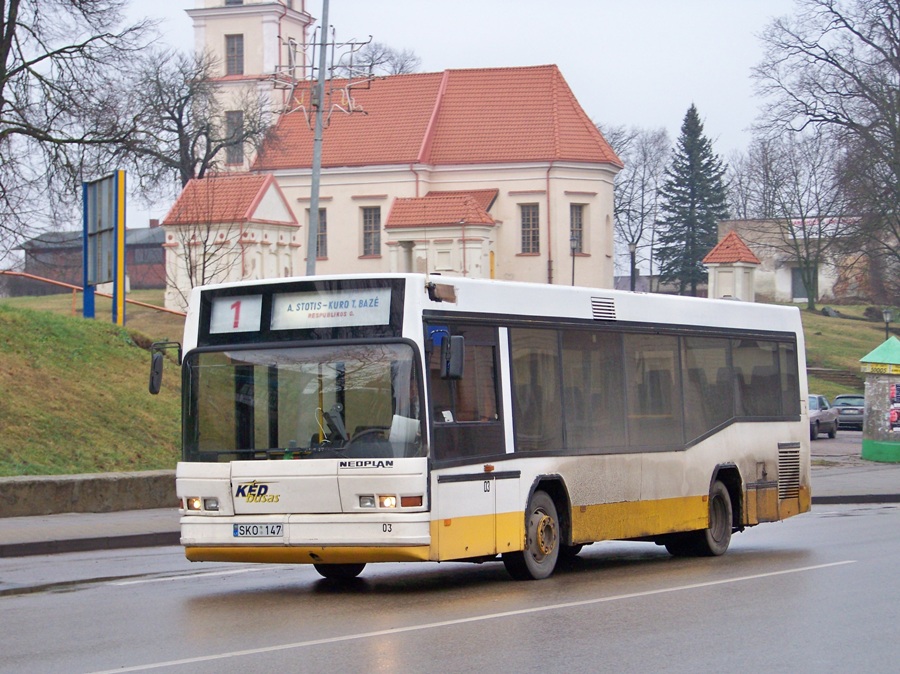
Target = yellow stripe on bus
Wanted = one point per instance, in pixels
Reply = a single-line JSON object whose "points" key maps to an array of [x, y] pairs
{"points": [[306, 554], [633, 519], [487, 535]]}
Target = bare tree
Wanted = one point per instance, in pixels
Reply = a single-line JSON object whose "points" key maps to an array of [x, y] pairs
{"points": [[796, 188], [752, 183], [377, 58], [834, 65], [183, 126], [57, 60], [644, 153]]}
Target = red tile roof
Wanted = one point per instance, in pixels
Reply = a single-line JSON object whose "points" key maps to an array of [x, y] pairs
{"points": [[729, 250], [220, 198], [449, 208], [485, 198], [455, 117]]}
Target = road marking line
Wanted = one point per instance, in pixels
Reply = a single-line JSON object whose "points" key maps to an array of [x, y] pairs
{"points": [[186, 576], [463, 621]]}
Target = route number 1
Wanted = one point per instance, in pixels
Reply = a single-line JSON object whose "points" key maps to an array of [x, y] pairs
{"points": [[240, 313]]}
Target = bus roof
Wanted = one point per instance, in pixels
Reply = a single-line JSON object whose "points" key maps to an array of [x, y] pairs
{"points": [[539, 300]]}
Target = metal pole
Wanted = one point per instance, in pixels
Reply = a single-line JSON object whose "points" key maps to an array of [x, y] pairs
{"points": [[632, 248], [573, 244], [313, 237]]}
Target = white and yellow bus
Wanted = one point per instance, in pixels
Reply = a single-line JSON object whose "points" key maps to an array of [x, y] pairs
{"points": [[343, 420]]}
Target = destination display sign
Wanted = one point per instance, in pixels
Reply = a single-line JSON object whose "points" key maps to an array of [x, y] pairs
{"points": [[236, 313], [331, 308]]}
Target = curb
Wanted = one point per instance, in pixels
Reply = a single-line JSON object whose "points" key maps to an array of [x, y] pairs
{"points": [[158, 539], [860, 499], [89, 493]]}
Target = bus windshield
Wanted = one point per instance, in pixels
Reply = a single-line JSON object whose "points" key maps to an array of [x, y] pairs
{"points": [[358, 401]]}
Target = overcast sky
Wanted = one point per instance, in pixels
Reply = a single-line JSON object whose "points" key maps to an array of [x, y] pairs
{"points": [[628, 62]]}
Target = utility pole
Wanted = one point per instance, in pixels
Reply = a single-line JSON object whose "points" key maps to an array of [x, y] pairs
{"points": [[319, 106], [312, 239]]}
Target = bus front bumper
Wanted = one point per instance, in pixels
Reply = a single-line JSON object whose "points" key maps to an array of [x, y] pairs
{"points": [[308, 539]]}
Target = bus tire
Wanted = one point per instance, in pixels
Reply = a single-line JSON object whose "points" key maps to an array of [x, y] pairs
{"points": [[538, 560], [339, 571], [712, 541]]}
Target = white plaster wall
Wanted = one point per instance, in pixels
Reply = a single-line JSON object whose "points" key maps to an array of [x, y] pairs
{"points": [[344, 192], [272, 207]]}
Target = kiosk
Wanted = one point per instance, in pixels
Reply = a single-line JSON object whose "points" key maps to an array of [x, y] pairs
{"points": [[881, 429]]}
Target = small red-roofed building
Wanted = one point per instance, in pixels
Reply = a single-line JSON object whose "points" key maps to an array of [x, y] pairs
{"points": [[731, 266], [228, 227], [840, 276]]}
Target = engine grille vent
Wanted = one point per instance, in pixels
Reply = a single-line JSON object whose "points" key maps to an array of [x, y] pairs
{"points": [[603, 308], [788, 473]]}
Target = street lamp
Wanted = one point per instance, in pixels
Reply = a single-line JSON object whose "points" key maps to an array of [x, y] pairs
{"points": [[888, 316], [632, 249], [573, 244]]}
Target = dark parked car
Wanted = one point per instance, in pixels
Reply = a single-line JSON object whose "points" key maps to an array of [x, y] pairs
{"points": [[822, 417], [851, 410]]}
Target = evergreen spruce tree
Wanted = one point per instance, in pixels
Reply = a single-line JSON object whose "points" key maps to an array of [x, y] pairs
{"points": [[693, 201]]}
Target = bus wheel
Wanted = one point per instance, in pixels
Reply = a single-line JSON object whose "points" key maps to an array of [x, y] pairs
{"points": [[541, 552], [339, 571], [709, 542], [714, 541]]}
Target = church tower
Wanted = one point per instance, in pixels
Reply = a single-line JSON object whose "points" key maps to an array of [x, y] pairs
{"points": [[252, 42]]}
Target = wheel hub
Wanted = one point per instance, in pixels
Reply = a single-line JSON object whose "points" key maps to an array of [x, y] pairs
{"points": [[545, 534]]}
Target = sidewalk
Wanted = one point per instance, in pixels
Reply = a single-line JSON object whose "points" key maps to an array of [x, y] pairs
{"points": [[839, 475], [79, 532]]}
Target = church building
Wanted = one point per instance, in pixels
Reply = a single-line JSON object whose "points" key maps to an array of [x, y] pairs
{"points": [[486, 172]]}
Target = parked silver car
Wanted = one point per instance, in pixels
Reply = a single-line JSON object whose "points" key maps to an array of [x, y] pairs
{"points": [[823, 418], [851, 409]]}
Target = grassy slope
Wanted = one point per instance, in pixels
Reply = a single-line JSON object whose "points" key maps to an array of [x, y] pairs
{"points": [[838, 343], [74, 394]]}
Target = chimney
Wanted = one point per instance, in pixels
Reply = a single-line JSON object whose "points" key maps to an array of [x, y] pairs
{"points": [[154, 222]]}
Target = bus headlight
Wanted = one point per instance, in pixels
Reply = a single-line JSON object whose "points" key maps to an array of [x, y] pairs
{"points": [[366, 501], [198, 503], [387, 501]]}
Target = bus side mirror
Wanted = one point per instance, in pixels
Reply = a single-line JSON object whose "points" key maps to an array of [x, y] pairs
{"points": [[453, 351], [156, 363], [156, 371]]}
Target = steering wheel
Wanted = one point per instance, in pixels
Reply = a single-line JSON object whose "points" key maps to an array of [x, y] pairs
{"points": [[367, 432]]}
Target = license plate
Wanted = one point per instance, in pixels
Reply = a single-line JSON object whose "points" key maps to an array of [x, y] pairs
{"points": [[850, 412], [257, 530]]}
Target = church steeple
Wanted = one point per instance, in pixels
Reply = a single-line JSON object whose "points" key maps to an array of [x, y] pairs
{"points": [[265, 27], [250, 41]]}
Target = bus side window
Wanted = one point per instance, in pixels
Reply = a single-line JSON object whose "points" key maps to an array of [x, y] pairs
{"points": [[536, 376], [471, 398], [465, 412]]}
